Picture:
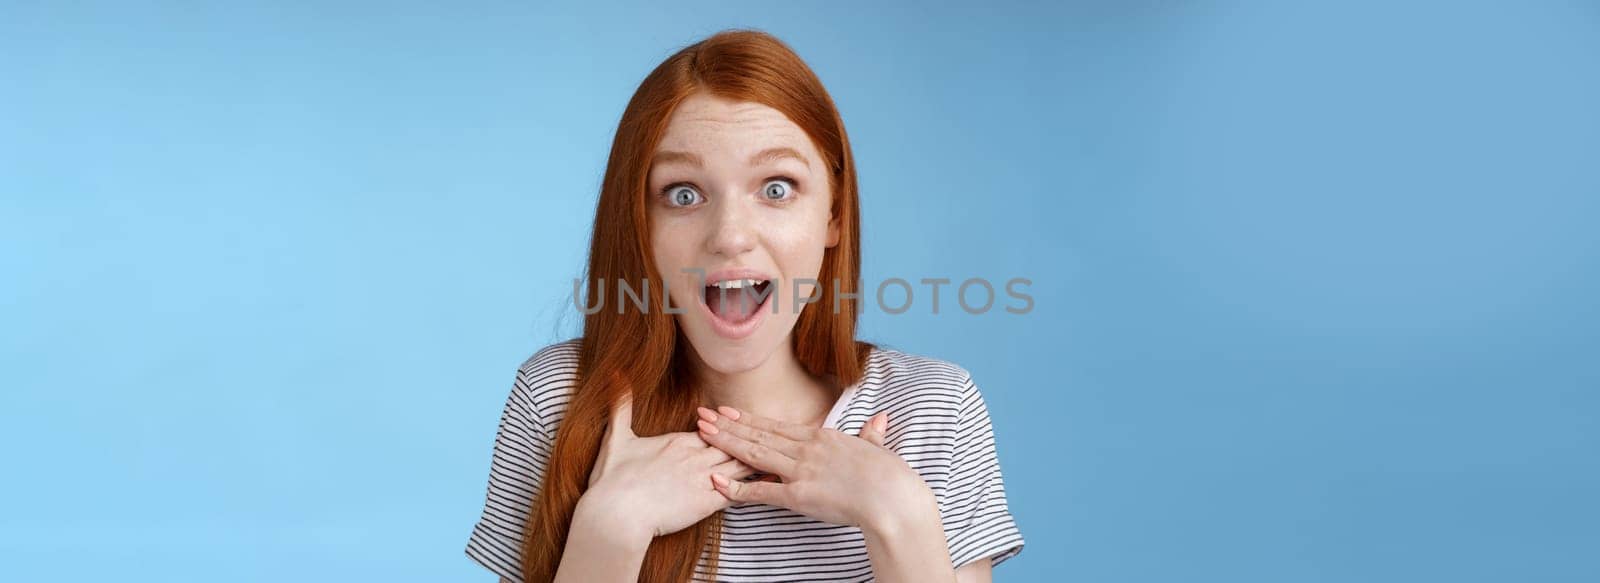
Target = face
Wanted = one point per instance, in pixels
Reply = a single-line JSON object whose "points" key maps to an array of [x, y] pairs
{"points": [[738, 192]]}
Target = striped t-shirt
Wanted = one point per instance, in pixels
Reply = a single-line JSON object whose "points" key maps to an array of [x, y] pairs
{"points": [[937, 423]]}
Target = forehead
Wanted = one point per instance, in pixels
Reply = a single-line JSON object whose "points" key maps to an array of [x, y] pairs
{"points": [[707, 123]]}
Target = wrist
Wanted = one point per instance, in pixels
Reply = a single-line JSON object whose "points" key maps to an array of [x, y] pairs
{"points": [[605, 523], [906, 541], [913, 509]]}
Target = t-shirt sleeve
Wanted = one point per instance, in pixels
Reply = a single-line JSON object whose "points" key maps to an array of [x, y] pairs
{"points": [[977, 521], [522, 449]]}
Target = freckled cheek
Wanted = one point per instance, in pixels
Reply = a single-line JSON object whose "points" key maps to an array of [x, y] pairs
{"points": [[798, 246], [674, 246]]}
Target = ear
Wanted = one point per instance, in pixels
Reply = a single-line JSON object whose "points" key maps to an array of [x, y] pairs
{"points": [[833, 230]]}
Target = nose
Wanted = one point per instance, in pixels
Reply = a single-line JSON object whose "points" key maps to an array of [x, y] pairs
{"points": [[732, 233]]}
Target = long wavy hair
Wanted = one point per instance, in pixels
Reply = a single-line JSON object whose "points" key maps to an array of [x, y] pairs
{"points": [[643, 350]]}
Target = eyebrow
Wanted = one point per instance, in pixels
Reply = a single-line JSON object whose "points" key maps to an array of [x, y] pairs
{"points": [[762, 157]]}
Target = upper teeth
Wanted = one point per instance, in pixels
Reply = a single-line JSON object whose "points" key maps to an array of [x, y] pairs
{"points": [[737, 283]]}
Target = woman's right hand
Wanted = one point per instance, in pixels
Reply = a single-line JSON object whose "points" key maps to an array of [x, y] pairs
{"points": [[653, 486]]}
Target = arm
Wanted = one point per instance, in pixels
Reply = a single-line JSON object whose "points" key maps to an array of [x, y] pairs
{"points": [[640, 488], [979, 525], [901, 553], [601, 547], [976, 508], [979, 571], [596, 552], [908, 544]]}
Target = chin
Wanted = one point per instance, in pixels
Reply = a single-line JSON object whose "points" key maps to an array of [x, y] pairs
{"points": [[731, 357]]}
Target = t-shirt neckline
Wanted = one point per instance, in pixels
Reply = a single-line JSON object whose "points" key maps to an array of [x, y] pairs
{"points": [[839, 406], [832, 421]]}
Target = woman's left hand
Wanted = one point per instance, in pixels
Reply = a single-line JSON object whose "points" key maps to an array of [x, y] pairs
{"points": [[826, 474]]}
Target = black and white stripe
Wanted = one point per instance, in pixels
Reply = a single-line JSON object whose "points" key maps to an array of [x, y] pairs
{"points": [[937, 422]]}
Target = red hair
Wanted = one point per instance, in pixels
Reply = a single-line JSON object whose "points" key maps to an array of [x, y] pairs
{"points": [[644, 351]]}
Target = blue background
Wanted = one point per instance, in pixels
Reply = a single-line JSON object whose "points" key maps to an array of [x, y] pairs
{"points": [[1314, 283]]}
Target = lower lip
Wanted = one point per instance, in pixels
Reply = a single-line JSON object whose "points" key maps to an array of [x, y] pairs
{"points": [[739, 330]]}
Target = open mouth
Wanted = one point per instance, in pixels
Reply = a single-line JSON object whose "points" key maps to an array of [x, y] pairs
{"points": [[736, 304]]}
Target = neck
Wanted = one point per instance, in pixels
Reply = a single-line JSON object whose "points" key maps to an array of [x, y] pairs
{"points": [[778, 389]]}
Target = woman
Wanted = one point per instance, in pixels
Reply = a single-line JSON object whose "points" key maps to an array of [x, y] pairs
{"points": [[722, 426]]}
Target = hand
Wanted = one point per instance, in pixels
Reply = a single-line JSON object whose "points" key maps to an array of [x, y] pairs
{"points": [[655, 485], [826, 474]]}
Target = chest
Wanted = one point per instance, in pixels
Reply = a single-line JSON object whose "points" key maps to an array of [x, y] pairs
{"points": [[767, 543]]}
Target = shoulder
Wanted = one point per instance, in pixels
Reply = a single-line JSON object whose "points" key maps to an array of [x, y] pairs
{"points": [[546, 379], [914, 386], [553, 359], [894, 373], [522, 452]]}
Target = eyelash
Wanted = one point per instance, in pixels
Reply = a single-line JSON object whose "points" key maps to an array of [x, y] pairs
{"points": [[667, 190]]}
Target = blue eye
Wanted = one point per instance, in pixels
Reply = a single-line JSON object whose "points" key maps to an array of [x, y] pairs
{"points": [[778, 189], [681, 195]]}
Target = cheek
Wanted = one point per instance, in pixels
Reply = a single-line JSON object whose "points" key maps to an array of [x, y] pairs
{"points": [[800, 243], [674, 245], [669, 241]]}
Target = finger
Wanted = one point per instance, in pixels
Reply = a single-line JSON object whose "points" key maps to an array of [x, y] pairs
{"points": [[733, 469], [750, 433], [712, 455], [790, 430], [875, 428], [760, 456], [772, 493]]}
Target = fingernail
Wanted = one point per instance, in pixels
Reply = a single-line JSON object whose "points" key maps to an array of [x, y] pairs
{"points": [[707, 427], [720, 481], [707, 414], [731, 412]]}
